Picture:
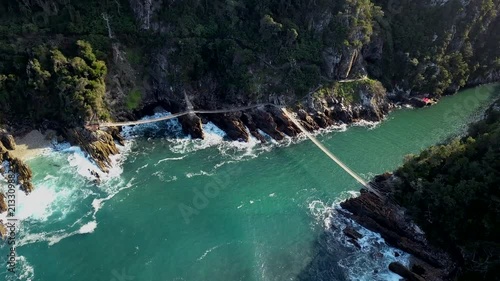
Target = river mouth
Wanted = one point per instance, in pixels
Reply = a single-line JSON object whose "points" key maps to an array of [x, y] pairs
{"points": [[181, 209]]}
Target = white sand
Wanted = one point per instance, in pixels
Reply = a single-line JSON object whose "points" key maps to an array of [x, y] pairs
{"points": [[31, 145]]}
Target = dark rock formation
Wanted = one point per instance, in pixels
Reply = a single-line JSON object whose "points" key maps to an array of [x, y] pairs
{"points": [[284, 124], [24, 174], [191, 125], [99, 145], [404, 272], [231, 124], [115, 133], [3, 203], [8, 141], [3, 152], [3, 231], [16, 166], [387, 218], [252, 127], [307, 121], [265, 121], [352, 233]]}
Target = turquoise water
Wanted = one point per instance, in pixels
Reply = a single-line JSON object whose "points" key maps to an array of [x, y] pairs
{"points": [[178, 209]]}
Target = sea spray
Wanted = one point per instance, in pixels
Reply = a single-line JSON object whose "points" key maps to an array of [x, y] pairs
{"points": [[368, 263]]}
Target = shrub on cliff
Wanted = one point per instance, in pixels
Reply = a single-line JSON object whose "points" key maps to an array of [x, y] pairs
{"points": [[53, 86]]}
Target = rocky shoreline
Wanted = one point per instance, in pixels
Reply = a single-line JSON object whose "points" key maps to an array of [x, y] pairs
{"points": [[320, 113], [386, 217]]}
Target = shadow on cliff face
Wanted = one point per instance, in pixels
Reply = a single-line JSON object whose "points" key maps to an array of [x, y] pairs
{"points": [[324, 265]]}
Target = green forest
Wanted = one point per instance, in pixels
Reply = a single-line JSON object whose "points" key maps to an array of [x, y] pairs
{"points": [[453, 192], [239, 51]]}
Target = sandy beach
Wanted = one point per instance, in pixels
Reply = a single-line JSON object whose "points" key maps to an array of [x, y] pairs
{"points": [[31, 145]]}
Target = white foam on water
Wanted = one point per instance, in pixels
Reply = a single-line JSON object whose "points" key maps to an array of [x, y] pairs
{"points": [[200, 173], [26, 270], [170, 159], [37, 204], [207, 252], [142, 167], [172, 126], [88, 228], [374, 252], [364, 123]]}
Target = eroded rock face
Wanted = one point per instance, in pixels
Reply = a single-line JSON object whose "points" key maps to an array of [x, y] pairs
{"points": [[8, 141], [284, 124], [3, 231], [115, 133], [24, 174], [99, 145], [232, 125], [265, 121], [252, 127], [3, 151], [383, 216], [404, 272], [191, 125], [307, 121], [3, 203]]}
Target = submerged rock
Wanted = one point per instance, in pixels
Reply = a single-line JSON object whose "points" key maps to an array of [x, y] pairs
{"points": [[404, 272]]}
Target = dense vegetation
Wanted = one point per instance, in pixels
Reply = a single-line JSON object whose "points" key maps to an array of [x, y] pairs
{"points": [[236, 51], [262, 47], [453, 192], [437, 48], [51, 86]]}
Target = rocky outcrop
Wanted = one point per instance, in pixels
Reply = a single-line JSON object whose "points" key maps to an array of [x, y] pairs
{"points": [[24, 174], [265, 121], [252, 127], [385, 217], [3, 203], [3, 152], [3, 231], [115, 133], [8, 141], [99, 145], [191, 125], [404, 272], [232, 125]]}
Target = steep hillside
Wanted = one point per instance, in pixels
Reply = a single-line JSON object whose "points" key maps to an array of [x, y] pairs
{"points": [[65, 63]]}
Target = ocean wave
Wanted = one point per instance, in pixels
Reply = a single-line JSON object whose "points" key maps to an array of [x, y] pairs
{"points": [[200, 173], [84, 166], [88, 227], [171, 127], [25, 269], [372, 260]]}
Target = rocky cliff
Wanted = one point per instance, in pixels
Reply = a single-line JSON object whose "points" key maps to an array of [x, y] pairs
{"points": [[450, 191], [391, 221]]}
